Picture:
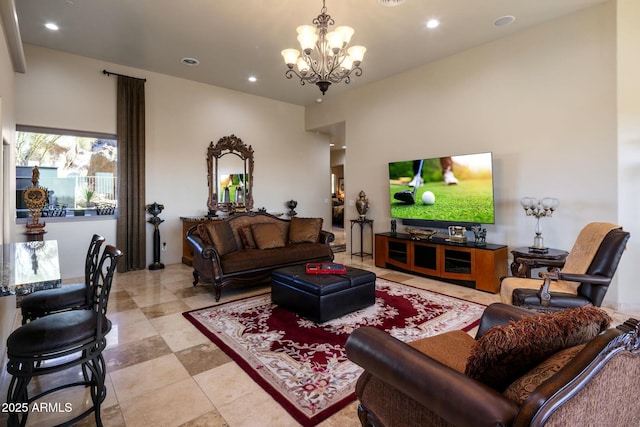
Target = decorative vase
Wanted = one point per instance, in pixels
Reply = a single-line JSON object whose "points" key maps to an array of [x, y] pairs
{"points": [[362, 204], [292, 206]]}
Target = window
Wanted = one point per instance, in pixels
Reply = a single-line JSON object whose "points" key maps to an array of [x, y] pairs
{"points": [[78, 170]]}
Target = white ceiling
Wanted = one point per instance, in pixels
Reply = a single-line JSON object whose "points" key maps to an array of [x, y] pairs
{"points": [[234, 39]]}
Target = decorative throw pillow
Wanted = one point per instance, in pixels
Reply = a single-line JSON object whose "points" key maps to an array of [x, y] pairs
{"points": [[304, 230], [506, 352], [267, 235], [204, 234], [521, 388], [221, 236], [246, 237]]}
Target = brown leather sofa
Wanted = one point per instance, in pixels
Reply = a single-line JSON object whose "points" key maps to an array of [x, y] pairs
{"points": [[243, 249], [421, 384]]}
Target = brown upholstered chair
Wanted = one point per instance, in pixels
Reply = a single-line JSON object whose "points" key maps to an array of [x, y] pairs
{"points": [[570, 285], [429, 382]]}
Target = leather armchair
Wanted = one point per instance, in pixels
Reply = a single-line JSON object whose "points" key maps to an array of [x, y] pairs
{"points": [[540, 295], [403, 386]]}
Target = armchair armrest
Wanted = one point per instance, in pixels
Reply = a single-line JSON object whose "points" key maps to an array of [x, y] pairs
{"points": [[194, 238], [545, 294], [453, 396], [204, 254], [326, 237], [500, 314], [584, 278]]}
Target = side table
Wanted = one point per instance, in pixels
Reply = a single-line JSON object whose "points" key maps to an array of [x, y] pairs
{"points": [[524, 260], [362, 223]]}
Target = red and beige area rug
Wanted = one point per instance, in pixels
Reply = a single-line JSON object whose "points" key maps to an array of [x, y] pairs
{"points": [[302, 364]]}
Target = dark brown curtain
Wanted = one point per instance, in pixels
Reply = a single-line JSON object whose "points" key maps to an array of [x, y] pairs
{"points": [[131, 226]]}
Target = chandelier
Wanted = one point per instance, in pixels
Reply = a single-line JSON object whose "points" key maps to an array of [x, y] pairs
{"points": [[325, 57]]}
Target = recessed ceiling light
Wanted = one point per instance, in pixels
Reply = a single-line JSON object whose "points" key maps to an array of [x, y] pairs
{"points": [[51, 26], [344, 147], [504, 20], [252, 79], [332, 145], [433, 23], [318, 100], [390, 3], [191, 62]]}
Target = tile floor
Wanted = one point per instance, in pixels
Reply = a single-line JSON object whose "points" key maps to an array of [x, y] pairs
{"points": [[164, 372]]}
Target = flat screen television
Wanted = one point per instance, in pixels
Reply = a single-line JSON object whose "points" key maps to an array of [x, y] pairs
{"points": [[441, 191]]}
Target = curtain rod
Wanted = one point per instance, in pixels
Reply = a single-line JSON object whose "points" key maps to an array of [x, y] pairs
{"points": [[109, 73]]}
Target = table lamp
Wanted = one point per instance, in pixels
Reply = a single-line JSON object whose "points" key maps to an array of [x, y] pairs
{"points": [[539, 209]]}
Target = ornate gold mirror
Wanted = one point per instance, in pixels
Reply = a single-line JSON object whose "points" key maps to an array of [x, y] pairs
{"points": [[230, 175]]}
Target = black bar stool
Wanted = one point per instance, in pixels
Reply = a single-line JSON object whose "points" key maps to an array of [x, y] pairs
{"points": [[59, 341], [68, 297]]}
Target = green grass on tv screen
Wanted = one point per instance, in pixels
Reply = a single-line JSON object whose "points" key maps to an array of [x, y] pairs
{"points": [[469, 201]]}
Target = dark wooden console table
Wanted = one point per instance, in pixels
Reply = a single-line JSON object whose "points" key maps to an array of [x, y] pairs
{"points": [[362, 223], [524, 260], [480, 267]]}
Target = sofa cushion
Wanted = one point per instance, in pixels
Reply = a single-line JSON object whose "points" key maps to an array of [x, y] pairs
{"points": [[250, 259], [506, 352], [302, 230], [449, 348], [521, 388], [221, 236], [246, 237], [203, 233], [267, 235]]}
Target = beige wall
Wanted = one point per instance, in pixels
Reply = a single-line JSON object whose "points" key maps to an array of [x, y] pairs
{"points": [[7, 127], [628, 72], [7, 135], [542, 100], [70, 92]]}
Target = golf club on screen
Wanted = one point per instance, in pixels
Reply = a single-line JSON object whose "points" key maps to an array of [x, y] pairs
{"points": [[409, 196]]}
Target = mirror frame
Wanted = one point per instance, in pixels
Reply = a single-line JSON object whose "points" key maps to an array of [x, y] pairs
{"points": [[234, 146]]}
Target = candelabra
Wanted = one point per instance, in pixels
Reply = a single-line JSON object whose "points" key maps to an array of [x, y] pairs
{"points": [[539, 209], [155, 209]]}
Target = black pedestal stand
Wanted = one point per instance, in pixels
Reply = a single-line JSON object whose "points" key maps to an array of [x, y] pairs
{"points": [[155, 209]]}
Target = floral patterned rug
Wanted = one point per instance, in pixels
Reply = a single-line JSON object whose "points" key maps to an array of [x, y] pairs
{"points": [[303, 364]]}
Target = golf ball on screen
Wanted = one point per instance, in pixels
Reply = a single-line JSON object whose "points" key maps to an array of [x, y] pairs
{"points": [[428, 198]]}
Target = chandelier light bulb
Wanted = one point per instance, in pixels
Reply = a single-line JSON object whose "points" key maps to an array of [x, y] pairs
{"points": [[348, 32], [347, 63], [307, 41], [303, 66], [290, 56], [335, 40], [356, 53], [306, 29]]}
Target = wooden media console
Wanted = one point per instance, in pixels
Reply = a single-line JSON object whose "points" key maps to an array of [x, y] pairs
{"points": [[460, 263]]}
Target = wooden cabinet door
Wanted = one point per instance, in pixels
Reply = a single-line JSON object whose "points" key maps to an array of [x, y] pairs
{"points": [[491, 267], [425, 259], [457, 263]]}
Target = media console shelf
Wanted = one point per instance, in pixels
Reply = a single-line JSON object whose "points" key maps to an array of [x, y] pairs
{"points": [[466, 264]]}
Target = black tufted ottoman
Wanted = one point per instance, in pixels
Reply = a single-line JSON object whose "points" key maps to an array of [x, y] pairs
{"points": [[322, 297]]}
